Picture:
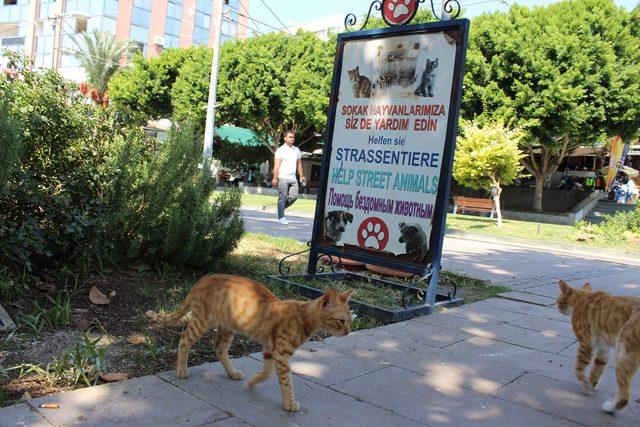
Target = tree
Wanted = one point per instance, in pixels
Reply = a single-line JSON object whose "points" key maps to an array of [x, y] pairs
{"points": [[100, 55], [567, 74], [275, 83], [488, 157], [145, 87]]}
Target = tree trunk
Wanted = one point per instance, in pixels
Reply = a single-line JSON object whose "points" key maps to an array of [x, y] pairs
{"points": [[537, 197], [545, 165], [497, 192]]}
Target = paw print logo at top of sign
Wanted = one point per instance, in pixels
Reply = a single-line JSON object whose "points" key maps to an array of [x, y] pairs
{"points": [[373, 233], [399, 12]]}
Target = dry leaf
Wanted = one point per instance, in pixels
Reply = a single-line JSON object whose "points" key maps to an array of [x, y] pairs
{"points": [[49, 406], [97, 297], [26, 396], [136, 339], [113, 377]]}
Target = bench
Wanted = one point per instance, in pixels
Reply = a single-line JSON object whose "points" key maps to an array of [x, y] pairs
{"points": [[473, 204]]}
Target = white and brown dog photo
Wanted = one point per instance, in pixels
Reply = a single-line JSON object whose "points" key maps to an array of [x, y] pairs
{"points": [[335, 223]]}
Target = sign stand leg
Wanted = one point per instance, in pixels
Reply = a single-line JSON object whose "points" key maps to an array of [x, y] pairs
{"points": [[432, 289]]}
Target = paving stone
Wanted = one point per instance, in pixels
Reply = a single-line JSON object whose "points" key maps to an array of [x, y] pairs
{"points": [[571, 350], [326, 365], [528, 298], [21, 415], [459, 317], [262, 406], [444, 370], [565, 400], [228, 422], [549, 327], [483, 350], [145, 401], [545, 341], [410, 394], [379, 343], [522, 308]]}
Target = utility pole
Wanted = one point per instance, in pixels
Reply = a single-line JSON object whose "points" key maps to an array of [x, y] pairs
{"points": [[211, 103]]}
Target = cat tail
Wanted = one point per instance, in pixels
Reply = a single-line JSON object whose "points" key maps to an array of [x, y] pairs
{"points": [[175, 318]]}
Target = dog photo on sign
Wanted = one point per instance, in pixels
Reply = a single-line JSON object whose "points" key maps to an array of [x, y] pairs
{"points": [[335, 223], [415, 240]]}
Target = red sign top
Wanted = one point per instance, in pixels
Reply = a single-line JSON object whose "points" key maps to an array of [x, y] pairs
{"points": [[399, 12]]}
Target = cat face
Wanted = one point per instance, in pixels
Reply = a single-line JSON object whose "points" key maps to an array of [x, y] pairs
{"points": [[431, 65], [354, 74], [567, 294], [334, 312]]}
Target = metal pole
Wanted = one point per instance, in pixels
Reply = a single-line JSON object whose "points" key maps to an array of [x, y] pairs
{"points": [[444, 16], [211, 103]]}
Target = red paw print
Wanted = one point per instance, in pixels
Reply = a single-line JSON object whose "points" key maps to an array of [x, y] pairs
{"points": [[373, 233]]}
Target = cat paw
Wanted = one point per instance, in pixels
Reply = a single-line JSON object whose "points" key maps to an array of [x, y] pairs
{"points": [[182, 372], [587, 389], [236, 375], [291, 406], [609, 407]]}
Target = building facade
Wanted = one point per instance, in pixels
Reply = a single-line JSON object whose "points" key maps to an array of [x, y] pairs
{"points": [[45, 30]]}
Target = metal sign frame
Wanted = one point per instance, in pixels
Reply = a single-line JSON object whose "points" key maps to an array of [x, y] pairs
{"points": [[457, 30]]}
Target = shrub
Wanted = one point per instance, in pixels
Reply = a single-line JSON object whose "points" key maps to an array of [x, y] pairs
{"points": [[161, 205], [80, 187], [615, 228]]}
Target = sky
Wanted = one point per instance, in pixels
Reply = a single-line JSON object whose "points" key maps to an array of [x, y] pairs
{"points": [[292, 12]]}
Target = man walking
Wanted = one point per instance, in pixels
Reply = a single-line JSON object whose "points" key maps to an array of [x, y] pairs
{"points": [[287, 159]]}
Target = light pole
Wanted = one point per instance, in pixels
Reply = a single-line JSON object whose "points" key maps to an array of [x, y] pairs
{"points": [[211, 103]]}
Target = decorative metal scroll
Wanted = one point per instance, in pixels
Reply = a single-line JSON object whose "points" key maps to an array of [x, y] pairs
{"points": [[401, 12], [285, 269]]}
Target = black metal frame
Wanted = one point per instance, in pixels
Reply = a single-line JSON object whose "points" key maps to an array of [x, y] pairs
{"points": [[431, 265], [404, 313], [426, 272]]}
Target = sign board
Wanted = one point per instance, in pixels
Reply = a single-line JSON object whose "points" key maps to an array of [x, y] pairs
{"points": [[388, 151]]}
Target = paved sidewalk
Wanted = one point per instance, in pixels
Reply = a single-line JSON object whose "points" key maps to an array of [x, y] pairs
{"points": [[495, 362], [503, 361]]}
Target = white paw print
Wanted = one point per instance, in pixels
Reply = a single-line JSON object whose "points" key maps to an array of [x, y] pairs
{"points": [[372, 236], [401, 8]]}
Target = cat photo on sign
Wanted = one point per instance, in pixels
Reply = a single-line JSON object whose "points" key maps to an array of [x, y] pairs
{"points": [[361, 85], [428, 81]]}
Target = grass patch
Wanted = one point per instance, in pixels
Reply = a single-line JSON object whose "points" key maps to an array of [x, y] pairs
{"points": [[260, 200]]}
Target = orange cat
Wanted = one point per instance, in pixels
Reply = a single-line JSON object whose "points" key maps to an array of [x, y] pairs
{"points": [[601, 321], [238, 304]]}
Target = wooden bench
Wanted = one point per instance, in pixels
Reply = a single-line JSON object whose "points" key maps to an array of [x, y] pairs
{"points": [[473, 204]]}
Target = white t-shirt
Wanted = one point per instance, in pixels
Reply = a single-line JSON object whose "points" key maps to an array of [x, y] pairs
{"points": [[290, 157]]}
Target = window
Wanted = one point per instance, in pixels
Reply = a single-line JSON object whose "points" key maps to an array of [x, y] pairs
{"points": [[81, 25]]}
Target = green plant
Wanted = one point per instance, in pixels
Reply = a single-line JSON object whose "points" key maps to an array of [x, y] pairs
{"points": [[34, 322], [81, 362], [61, 311], [151, 346]]}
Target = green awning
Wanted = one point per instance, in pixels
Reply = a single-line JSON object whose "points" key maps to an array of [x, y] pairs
{"points": [[238, 135]]}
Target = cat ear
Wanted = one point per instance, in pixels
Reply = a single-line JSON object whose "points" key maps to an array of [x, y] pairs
{"points": [[329, 297], [587, 286], [564, 287], [344, 297]]}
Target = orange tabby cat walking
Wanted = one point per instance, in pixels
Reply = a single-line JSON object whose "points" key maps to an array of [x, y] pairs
{"points": [[238, 304], [601, 321]]}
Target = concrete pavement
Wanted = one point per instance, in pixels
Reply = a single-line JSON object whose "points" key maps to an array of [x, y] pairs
{"points": [[503, 361]]}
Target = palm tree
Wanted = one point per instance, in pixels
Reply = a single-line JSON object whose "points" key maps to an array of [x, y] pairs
{"points": [[100, 55]]}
